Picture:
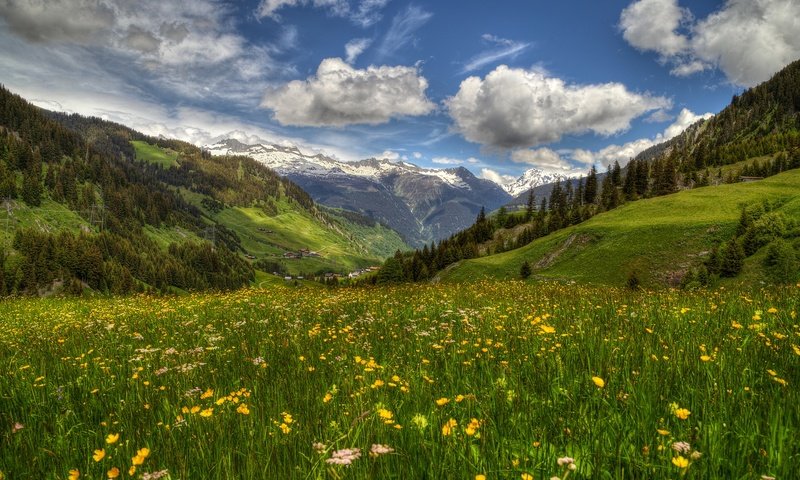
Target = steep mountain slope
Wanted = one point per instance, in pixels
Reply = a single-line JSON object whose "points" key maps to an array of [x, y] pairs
{"points": [[659, 239], [757, 136], [761, 121], [88, 203], [421, 204]]}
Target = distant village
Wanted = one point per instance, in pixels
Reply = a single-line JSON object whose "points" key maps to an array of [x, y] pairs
{"points": [[326, 277]]}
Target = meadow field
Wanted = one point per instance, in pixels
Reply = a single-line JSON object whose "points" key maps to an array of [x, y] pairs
{"points": [[489, 380]]}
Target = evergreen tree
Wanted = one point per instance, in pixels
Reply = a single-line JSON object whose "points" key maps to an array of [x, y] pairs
{"points": [[590, 191], [525, 270], [781, 262], [732, 259], [530, 206]]}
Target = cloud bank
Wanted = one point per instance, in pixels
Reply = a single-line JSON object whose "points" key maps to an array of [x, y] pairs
{"points": [[339, 95], [513, 108], [748, 40]]}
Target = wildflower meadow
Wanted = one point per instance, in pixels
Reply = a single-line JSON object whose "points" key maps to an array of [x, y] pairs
{"points": [[491, 380]]}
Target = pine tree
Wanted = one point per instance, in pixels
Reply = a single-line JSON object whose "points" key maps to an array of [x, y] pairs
{"points": [[732, 259], [590, 192], [525, 270], [530, 206]]}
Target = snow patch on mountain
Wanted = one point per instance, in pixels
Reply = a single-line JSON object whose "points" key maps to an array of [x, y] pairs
{"points": [[290, 160], [532, 178]]}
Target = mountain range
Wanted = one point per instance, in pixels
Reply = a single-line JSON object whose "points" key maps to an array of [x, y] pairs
{"points": [[421, 204]]}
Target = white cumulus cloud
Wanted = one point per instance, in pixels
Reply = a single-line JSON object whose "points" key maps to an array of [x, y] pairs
{"points": [[494, 176], [514, 108], [623, 153], [339, 95], [354, 48], [748, 40], [653, 25]]}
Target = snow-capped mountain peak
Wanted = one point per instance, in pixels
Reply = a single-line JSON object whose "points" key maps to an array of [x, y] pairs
{"points": [[291, 161], [532, 178]]}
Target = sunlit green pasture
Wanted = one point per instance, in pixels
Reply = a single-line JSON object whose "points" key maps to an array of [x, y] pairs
{"points": [[499, 379]]}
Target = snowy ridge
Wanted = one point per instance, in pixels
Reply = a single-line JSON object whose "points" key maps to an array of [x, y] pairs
{"points": [[531, 179], [290, 160]]}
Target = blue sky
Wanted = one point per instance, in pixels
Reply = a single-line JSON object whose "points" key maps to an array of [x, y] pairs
{"points": [[498, 87]]}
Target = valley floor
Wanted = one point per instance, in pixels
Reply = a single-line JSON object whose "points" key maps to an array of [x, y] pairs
{"points": [[494, 379]]}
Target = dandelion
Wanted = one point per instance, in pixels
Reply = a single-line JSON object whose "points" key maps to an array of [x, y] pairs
{"points": [[113, 473], [99, 454], [480, 477], [112, 438], [682, 413], [472, 428], [207, 394], [680, 462], [448, 427], [207, 412], [74, 474], [599, 382], [442, 401]]}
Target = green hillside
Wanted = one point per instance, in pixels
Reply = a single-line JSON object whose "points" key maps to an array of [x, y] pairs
{"points": [[153, 154], [658, 238], [92, 205]]}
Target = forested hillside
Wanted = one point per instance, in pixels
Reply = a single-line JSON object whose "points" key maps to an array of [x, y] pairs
{"points": [[83, 209], [756, 136]]}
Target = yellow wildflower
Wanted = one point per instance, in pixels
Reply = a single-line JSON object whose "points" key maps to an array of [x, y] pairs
{"points": [[207, 412], [526, 476], [99, 454], [442, 401], [74, 474], [480, 477], [207, 394], [705, 358], [599, 382], [449, 426], [131, 471], [113, 473], [680, 462], [112, 438], [682, 413]]}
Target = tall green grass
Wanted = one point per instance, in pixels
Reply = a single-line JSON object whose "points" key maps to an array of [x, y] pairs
{"points": [[508, 366]]}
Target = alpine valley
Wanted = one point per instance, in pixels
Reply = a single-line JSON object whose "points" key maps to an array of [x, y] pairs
{"points": [[423, 205]]}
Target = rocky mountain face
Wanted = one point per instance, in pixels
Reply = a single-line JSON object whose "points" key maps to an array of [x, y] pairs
{"points": [[421, 204]]}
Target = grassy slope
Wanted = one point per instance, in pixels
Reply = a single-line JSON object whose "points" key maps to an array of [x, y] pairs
{"points": [[153, 154], [661, 235], [344, 248]]}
